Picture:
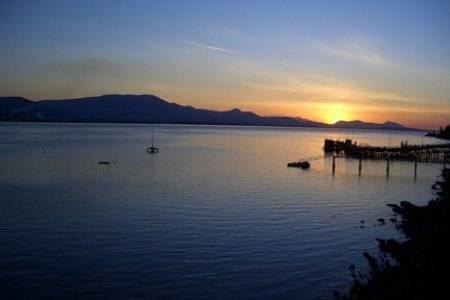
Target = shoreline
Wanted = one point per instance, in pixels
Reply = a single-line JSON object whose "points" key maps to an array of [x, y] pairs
{"points": [[220, 125], [417, 266]]}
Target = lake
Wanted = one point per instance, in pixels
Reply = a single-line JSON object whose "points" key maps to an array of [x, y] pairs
{"points": [[215, 215]]}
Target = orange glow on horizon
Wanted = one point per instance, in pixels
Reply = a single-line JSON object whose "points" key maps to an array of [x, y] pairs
{"points": [[336, 112], [332, 112]]}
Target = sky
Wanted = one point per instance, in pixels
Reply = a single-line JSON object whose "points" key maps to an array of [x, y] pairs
{"points": [[321, 60]]}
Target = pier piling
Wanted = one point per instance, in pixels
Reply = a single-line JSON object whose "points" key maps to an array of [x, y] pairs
{"points": [[415, 169], [387, 168], [431, 153], [334, 164], [360, 167]]}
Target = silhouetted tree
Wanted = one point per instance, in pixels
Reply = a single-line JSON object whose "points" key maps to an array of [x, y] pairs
{"points": [[443, 133]]}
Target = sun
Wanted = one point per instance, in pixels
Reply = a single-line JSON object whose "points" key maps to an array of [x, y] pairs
{"points": [[336, 112]]}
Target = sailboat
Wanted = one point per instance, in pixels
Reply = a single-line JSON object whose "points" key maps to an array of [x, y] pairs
{"points": [[152, 149]]}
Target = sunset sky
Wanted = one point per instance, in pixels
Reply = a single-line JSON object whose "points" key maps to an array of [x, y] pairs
{"points": [[320, 60]]}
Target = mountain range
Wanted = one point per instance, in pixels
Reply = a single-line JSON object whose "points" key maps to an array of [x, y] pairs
{"points": [[151, 109]]}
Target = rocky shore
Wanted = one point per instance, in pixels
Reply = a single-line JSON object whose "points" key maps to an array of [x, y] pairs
{"points": [[418, 265]]}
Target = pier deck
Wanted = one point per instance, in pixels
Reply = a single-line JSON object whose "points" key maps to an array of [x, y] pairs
{"points": [[430, 153]]}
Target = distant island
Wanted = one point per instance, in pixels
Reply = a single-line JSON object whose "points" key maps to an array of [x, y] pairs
{"points": [[150, 109]]}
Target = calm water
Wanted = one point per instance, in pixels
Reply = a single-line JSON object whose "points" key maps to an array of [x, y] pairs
{"points": [[215, 215]]}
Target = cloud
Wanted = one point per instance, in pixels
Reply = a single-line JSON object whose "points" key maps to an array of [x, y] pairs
{"points": [[283, 63], [325, 89], [231, 33], [213, 48], [82, 67], [355, 49], [88, 75]]}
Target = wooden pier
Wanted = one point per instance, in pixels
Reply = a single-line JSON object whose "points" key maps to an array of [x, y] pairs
{"points": [[431, 153]]}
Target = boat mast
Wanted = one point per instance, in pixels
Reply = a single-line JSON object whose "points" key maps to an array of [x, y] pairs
{"points": [[152, 135]]}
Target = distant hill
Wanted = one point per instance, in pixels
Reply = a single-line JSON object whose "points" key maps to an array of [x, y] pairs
{"points": [[366, 125], [150, 109]]}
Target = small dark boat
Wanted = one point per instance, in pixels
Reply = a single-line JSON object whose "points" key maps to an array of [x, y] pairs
{"points": [[152, 150], [299, 164], [104, 162]]}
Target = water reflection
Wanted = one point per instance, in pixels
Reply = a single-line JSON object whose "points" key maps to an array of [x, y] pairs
{"points": [[215, 214]]}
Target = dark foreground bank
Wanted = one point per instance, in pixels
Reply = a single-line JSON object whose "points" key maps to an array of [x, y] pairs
{"points": [[417, 266], [443, 133]]}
